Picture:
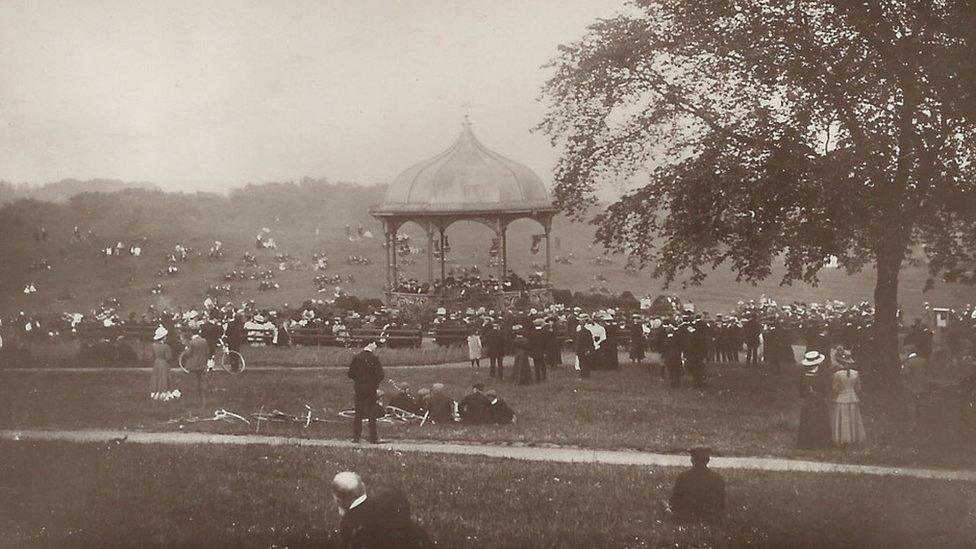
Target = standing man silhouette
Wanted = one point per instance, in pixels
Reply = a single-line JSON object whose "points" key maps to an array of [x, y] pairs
{"points": [[366, 374]]}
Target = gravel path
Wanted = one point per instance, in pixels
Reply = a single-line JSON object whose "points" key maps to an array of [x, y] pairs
{"points": [[562, 455]]}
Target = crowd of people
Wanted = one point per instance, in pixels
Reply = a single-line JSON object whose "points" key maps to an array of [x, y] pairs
{"points": [[471, 285]]}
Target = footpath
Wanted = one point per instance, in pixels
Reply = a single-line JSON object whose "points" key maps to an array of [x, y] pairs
{"points": [[559, 455]]}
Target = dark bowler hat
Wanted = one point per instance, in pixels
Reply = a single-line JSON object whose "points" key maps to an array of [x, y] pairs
{"points": [[700, 452]]}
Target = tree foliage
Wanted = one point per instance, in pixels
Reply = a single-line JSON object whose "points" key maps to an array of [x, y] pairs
{"points": [[768, 130], [807, 129]]}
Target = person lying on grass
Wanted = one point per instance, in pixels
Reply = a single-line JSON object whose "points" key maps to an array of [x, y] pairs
{"points": [[404, 400]]}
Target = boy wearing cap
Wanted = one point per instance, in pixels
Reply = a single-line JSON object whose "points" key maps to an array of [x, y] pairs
{"points": [[498, 410]]}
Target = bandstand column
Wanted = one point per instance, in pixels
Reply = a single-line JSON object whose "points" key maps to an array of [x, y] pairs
{"points": [[389, 247], [500, 229], [393, 263], [548, 227], [430, 252], [442, 253]]}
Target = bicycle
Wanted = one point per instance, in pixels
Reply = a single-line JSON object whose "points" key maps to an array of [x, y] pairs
{"points": [[219, 415], [392, 414], [231, 361], [278, 416]]}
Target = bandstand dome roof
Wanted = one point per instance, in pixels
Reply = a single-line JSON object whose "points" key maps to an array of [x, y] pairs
{"points": [[467, 177]]}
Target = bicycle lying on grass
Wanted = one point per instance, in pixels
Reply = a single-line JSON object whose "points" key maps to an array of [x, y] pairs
{"points": [[392, 414], [219, 415], [231, 361], [277, 416]]}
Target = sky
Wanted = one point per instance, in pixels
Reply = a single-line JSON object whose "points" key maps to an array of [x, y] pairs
{"points": [[199, 95]]}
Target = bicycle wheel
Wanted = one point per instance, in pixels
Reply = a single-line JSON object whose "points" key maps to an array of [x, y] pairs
{"points": [[232, 362], [182, 367]]}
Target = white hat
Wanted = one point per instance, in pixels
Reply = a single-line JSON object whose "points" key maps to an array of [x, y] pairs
{"points": [[813, 358], [160, 333]]}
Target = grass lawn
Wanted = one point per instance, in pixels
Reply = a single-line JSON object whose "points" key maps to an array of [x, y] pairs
{"points": [[63, 353], [82, 495], [743, 412]]}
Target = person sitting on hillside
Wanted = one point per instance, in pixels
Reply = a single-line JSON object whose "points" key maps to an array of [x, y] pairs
{"points": [[474, 408], [440, 405], [498, 410], [699, 493], [404, 400]]}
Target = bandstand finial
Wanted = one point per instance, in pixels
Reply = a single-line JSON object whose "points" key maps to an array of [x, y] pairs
{"points": [[467, 114]]}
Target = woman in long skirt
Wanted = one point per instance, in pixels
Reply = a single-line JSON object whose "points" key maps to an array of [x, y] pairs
{"points": [[814, 430], [474, 348], [162, 356], [847, 426], [522, 371]]}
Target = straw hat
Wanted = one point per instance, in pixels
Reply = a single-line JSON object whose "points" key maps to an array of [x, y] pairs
{"points": [[813, 358], [160, 333]]}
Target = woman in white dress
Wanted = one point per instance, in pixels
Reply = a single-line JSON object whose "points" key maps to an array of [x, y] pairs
{"points": [[847, 427], [474, 348]]}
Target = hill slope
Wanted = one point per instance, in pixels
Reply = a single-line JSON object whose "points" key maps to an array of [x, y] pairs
{"points": [[59, 191], [306, 218]]}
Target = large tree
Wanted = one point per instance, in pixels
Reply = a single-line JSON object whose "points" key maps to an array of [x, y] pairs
{"points": [[765, 131]]}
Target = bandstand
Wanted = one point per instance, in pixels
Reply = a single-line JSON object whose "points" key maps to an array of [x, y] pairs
{"points": [[467, 182]]}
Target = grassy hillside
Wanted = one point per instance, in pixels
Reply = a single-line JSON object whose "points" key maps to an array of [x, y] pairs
{"points": [[307, 218], [60, 191]]}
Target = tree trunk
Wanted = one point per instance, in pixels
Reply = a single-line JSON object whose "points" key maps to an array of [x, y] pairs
{"points": [[889, 259]]}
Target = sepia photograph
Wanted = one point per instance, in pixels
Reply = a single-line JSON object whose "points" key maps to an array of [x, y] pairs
{"points": [[387, 274]]}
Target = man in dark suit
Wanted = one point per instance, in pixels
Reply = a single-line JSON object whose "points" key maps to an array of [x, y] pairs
{"points": [[537, 349], [611, 358], [366, 374], [474, 407], [234, 334], [194, 359], [211, 332], [494, 341], [699, 493], [553, 351], [671, 351], [379, 520], [583, 345]]}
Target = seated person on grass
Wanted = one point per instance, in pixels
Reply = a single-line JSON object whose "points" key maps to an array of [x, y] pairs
{"points": [[499, 411], [440, 405], [381, 519], [405, 400], [699, 493], [423, 397], [474, 408]]}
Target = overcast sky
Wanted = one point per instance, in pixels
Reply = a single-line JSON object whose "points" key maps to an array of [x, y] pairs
{"points": [[195, 94]]}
